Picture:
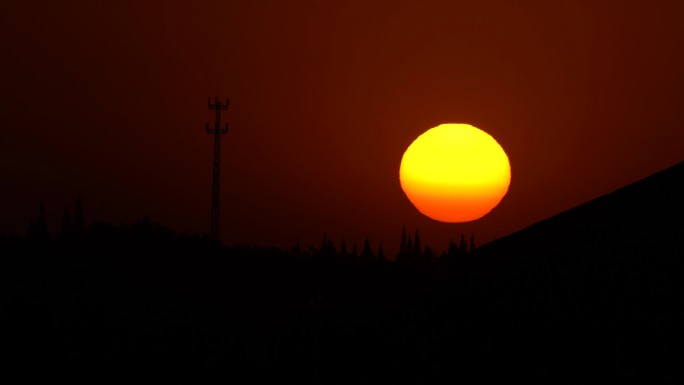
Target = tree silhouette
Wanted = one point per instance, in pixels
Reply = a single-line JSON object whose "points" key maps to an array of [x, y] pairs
{"points": [[409, 246], [79, 221], [67, 224], [327, 248], [297, 248], [411, 249], [354, 252], [343, 248], [452, 250], [428, 254], [38, 229], [402, 245], [367, 253], [417, 248]]}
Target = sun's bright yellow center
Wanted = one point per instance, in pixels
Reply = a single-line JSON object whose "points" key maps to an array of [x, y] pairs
{"points": [[455, 173]]}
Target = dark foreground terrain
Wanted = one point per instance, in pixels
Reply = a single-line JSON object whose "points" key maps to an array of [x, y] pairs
{"points": [[595, 293]]}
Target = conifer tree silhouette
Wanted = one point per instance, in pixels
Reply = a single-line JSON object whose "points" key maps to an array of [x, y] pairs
{"points": [[67, 225], [354, 252], [323, 248], [453, 249], [297, 248], [79, 221], [428, 254], [402, 245], [343, 248], [42, 223], [367, 253], [330, 247], [463, 245], [38, 229], [327, 247], [417, 249]]}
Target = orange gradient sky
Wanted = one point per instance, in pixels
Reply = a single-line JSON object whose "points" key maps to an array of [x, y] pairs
{"points": [[108, 99]]}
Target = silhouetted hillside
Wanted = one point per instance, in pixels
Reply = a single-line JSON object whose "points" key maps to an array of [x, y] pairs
{"points": [[646, 213], [594, 292]]}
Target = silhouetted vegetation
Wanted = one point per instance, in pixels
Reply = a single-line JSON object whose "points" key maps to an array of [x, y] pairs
{"points": [[592, 294]]}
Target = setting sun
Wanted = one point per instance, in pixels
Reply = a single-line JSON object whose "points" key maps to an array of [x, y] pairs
{"points": [[455, 173]]}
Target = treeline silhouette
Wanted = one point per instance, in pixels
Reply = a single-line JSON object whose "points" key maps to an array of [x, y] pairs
{"points": [[592, 294], [143, 297]]}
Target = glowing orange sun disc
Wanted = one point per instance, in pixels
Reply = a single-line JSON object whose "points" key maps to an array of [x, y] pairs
{"points": [[455, 173]]}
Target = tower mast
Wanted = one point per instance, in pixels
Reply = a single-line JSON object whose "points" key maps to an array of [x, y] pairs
{"points": [[217, 131]]}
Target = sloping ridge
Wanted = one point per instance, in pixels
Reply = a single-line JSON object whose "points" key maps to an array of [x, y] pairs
{"points": [[646, 214], [595, 292]]}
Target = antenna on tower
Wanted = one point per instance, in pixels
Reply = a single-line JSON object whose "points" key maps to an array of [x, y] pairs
{"points": [[217, 131]]}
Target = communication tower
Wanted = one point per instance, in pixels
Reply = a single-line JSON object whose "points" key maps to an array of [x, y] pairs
{"points": [[217, 131]]}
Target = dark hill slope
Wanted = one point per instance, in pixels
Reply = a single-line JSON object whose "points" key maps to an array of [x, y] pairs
{"points": [[646, 214], [594, 292]]}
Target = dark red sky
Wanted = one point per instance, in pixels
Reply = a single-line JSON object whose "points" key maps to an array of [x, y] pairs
{"points": [[109, 100]]}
